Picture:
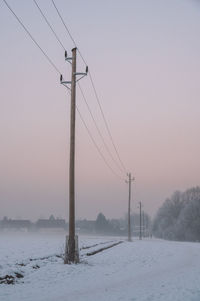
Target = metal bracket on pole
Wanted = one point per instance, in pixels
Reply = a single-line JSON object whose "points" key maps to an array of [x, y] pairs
{"points": [[68, 59], [82, 74], [67, 87], [80, 78], [66, 82]]}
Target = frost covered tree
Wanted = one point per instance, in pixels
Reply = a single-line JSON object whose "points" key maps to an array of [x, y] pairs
{"points": [[179, 217], [167, 217], [188, 224]]}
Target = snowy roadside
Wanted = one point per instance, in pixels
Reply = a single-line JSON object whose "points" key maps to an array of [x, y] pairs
{"points": [[148, 270]]}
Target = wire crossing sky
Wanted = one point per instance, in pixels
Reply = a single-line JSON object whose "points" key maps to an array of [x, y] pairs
{"points": [[57, 38], [95, 91], [46, 20], [32, 38], [98, 149]]}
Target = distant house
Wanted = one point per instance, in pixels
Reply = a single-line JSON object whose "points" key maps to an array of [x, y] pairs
{"points": [[85, 226], [19, 224], [51, 223]]}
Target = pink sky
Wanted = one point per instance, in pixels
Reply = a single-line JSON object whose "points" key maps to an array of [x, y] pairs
{"points": [[144, 56]]}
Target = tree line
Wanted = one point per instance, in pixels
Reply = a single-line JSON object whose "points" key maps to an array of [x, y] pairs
{"points": [[179, 217], [120, 226]]}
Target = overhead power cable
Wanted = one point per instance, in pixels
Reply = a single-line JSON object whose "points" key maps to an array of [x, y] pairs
{"points": [[32, 38], [63, 22], [97, 147], [106, 123], [88, 107], [48, 23], [98, 130], [95, 144], [50, 61], [95, 91]]}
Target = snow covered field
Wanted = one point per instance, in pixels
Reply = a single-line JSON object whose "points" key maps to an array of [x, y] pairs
{"points": [[148, 270]]}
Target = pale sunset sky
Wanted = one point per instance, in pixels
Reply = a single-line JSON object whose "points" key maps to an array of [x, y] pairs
{"points": [[144, 56]]}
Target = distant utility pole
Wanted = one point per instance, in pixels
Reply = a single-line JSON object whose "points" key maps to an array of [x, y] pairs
{"points": [[130, 180], [140, 204], [71, 249], [143, 224]]}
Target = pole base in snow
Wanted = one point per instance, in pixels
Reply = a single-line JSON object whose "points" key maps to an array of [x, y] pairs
{"points": [[71, 250]]}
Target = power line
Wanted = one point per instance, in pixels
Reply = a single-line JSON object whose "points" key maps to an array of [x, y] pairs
{"points": [[50, 61], [106, 123], [95, 144], [46, 20], [32, 38], [97, 147], [63, 22], [56, 36], [95, 91], [99, 132]]}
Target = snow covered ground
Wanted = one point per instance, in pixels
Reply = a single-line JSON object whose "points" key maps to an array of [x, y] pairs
{"points": [[148, 270]]}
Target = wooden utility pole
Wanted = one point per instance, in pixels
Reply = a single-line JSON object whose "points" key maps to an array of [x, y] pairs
{"points": [[129, 205], [71, 241], [143, 224], [140, 220], [71, 248]]}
